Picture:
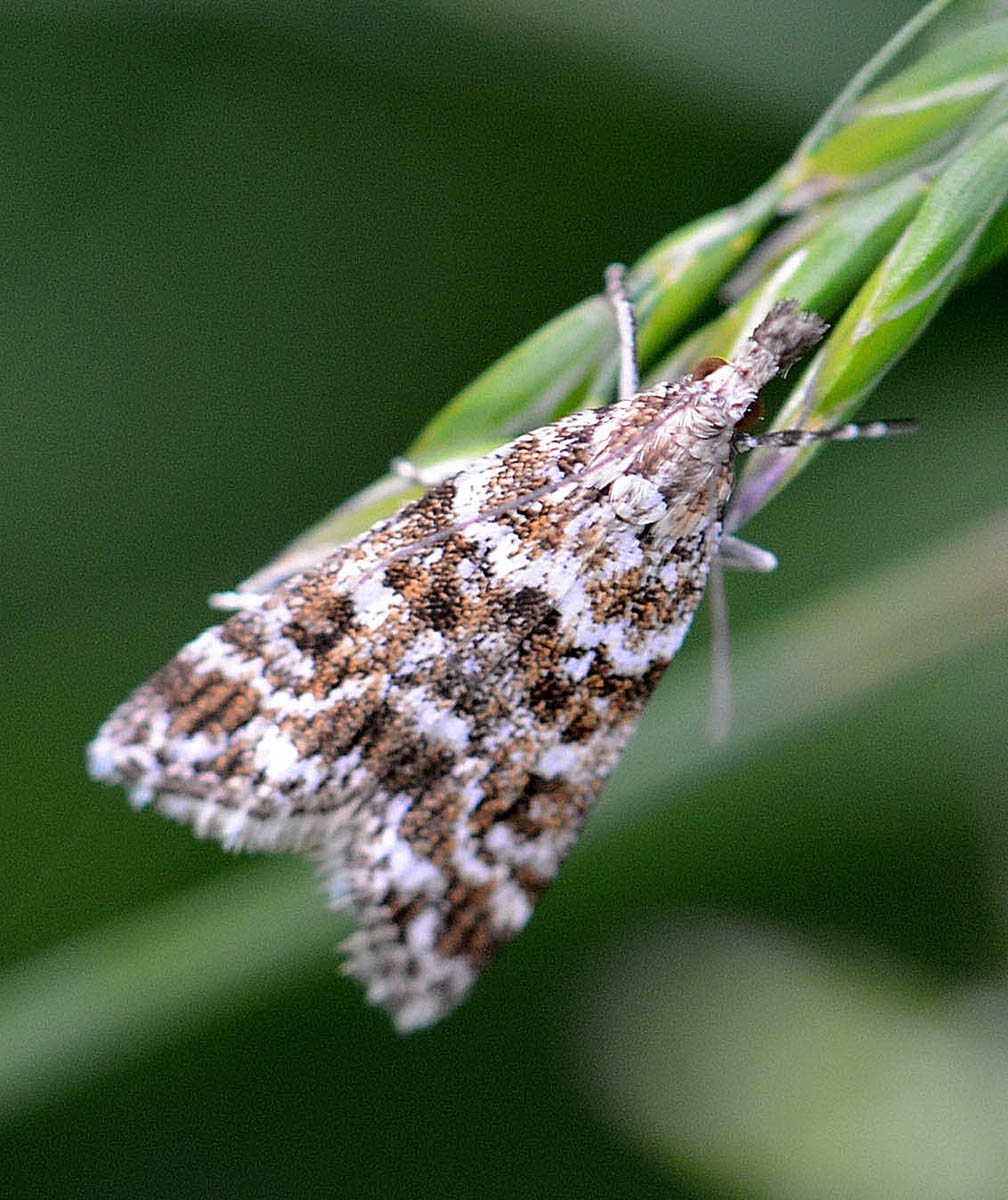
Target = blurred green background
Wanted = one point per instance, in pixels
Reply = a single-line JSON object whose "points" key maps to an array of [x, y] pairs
{"points": [[250, 249]]}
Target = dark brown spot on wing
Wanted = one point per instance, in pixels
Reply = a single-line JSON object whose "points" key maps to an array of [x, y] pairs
{"points": [[550, 696], [627, 693], [432, 593], [244, 632], [320, 621], [530, 606], [530, 806], [203, 700], [582, 725], [467, 929], [419, 520]]}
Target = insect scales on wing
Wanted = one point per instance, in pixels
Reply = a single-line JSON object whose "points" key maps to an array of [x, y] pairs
{"points": [[431, 711]]}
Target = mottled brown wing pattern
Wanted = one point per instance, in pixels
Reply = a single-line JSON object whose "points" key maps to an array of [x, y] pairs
{"points": [[432, 710]]}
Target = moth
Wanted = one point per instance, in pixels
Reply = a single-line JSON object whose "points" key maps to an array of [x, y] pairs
{"points": [[431, 711]]}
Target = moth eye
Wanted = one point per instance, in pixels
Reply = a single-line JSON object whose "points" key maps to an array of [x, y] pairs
{"points": [[752, 415], [707, 367]]}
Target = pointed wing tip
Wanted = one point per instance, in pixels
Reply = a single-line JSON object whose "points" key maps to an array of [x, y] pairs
{"points": [[119, 755], [415, 984]]}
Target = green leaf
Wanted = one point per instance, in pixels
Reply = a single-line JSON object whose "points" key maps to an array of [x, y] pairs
{"points": [[890, 312]]}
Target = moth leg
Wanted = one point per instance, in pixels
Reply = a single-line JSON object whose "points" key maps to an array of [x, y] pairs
{"points": [[737, 555], [733, 554], [427, 477], [719, 701], [236, 601], [626, 325]]}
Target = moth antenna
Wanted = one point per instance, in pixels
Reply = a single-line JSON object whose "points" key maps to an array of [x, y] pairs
{"points": [[626, 325], [780, 439]]}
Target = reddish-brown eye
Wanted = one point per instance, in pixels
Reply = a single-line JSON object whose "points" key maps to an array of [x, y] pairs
{"points": [[707, 367], [752, 416]]}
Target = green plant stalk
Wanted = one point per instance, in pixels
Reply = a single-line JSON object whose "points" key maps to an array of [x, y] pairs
{"points": [[911, 172], [890, 311]]}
